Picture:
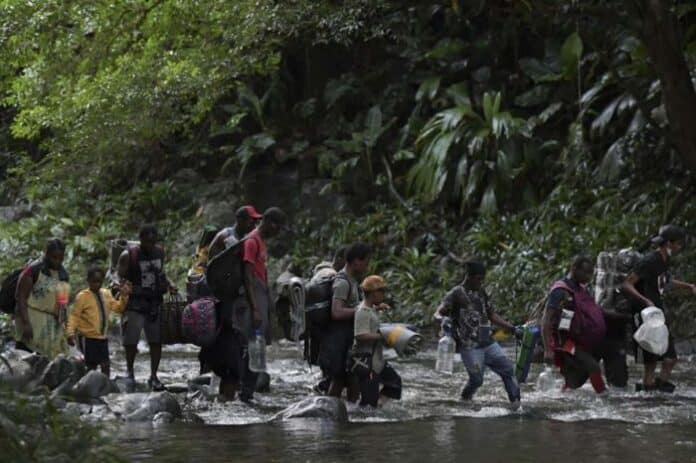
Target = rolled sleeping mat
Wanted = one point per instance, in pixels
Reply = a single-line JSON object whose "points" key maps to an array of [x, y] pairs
{"points": [[530, 339], [402, 338]]}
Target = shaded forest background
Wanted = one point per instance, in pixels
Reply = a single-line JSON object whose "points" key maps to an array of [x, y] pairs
{"points": [[520, 132]]}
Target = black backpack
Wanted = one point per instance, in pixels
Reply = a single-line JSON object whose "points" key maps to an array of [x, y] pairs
{"points": [[8, 292], [318, 299], [225, 274]]}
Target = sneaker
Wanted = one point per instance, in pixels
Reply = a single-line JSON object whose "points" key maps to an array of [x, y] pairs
{"points": [[130, 384], [155, 384]]}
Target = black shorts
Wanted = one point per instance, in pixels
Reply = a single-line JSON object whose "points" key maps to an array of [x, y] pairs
{"points": [[652, 358], [224, 356], [96, 351]]}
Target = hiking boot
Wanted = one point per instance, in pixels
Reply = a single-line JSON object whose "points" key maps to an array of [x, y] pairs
{"points": [[129, 382], [155, 384], [664, 386]]}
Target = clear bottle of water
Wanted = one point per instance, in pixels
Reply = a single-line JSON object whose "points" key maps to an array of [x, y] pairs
{"points": [[546, 382], [257, 353], [445, 354]]}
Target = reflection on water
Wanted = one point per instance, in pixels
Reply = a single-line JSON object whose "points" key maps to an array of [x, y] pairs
{"points": [[428, 424]]}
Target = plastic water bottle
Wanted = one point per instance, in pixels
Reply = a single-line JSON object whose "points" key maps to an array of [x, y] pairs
{"points": [[546, 382], [257, 353], [445, 354]]}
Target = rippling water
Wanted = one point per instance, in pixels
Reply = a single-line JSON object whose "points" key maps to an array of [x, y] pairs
{"points": [[428, 424]]}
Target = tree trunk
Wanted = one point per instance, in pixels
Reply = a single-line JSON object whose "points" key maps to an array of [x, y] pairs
{"points": [[663, 41]]}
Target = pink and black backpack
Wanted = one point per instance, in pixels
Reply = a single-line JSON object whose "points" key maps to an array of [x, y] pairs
{"points": [[199, 323]]}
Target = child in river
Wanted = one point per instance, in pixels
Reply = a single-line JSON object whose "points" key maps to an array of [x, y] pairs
{"points": [[367, 360], [89, 319]]}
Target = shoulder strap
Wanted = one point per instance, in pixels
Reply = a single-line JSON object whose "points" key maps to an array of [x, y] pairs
{"points": [[560, 284]]}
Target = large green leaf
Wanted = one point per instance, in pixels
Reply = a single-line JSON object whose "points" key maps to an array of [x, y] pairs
{"points": [[428, 88], [571, 52], [538, 71], [489, 203], [373, 125]]}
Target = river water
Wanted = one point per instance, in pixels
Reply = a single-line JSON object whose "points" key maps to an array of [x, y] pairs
{"points": [[428, 424]]}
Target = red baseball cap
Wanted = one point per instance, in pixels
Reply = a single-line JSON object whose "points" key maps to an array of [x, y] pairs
{"points": [[248, 211]]}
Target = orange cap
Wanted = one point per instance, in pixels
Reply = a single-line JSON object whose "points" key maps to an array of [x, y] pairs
{"points": [[373, 283]]}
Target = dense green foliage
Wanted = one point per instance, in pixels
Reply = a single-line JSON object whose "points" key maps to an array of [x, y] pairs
{"points": [[33, 430], [521, 132]]}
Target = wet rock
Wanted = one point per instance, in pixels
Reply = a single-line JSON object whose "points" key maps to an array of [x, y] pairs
{"points": [[15, 372], [93, 385], [38, 362], [201, 380], [119, 384], [329, 408], [60, 370], [143, 406], [77, 408], [178, 388], [163, 417]]}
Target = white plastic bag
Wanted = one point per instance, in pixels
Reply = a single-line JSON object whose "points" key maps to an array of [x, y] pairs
{"points": [[652, 335]]}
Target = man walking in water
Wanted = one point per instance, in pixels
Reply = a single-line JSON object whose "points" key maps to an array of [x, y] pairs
{"points": [[645, 285], [251, 313], [472, 315], [566, 343], [143, 267]]}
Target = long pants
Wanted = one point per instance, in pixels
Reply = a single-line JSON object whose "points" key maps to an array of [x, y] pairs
{"points": [[249, 378], [477, 359], [613, 356]]}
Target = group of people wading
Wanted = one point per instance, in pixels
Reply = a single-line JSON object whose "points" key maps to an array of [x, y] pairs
{"points": [[348, 347]]}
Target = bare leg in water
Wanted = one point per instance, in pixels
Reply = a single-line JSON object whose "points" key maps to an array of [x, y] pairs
{"points": [[649, 373], [666, 370], [352, 385], [155, 356], [131, 352]]}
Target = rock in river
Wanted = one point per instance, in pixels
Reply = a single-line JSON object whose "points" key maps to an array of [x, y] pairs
{"points": [[143, 406], [329, 408]]}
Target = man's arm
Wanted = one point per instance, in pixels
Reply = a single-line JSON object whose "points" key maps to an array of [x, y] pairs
{"points": [[629, 286], [685, 285], [251, 297], [496, 319], [340, 311], [549, 323]]}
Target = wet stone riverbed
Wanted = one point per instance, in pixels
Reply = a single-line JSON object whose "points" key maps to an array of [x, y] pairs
{"points": [[428, 424]]}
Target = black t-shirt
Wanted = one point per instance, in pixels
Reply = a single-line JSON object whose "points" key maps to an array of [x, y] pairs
{"points": [[654, 276]]}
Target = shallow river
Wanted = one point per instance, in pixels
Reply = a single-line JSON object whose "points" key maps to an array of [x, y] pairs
{"points": [[428, 424]]}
